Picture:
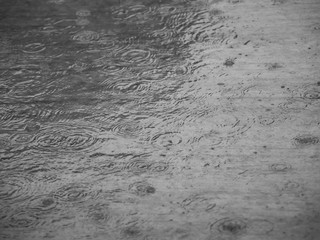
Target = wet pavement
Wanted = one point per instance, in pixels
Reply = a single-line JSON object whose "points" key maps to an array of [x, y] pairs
{"points": [[154, 120]]}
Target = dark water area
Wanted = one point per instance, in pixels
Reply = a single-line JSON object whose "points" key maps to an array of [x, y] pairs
{"points": [[110, 110]]}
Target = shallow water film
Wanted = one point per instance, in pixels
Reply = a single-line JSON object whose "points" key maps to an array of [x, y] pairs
{"points": [[159, 120]]}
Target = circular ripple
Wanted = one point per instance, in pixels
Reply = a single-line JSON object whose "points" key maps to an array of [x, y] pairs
{"points": [[280, 167], [99, 214], [86, 36], [157, 74], [310, 91], [107, 167], [230, 226], [138, 57], [129, 86], [271, 120], [135, 13], [141, 188], [42, 204], [137, 166], [22, 219], [166, 139], [21, 138], [294, 105], [159, 167], [219, 127], [66, 138], [30, 90], [75, 193], [291, 185], [16, 188], [305, 140], [34, 48]]}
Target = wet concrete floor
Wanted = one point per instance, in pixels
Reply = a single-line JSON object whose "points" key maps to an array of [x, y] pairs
{"points": [[158, 119]]}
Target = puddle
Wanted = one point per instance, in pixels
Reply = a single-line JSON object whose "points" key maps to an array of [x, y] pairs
{"points": [[104, 105]]}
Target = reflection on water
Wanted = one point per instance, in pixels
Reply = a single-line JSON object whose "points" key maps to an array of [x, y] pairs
{"points": [[101, 106]]}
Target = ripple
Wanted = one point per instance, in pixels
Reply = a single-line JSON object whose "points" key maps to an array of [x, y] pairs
{"points": [[156, 74], [291, 186], [34, 48], [309, 91], [159, 167], [142, 188], [75, 193], [86, 36], [198, 203], [137, 166], [66, 138], [294, 105], [127, 129], [21, 138], [83, 13], [137, 57], [181, 21], [17, 188], [42, 204], [58, 2], [271, 119], [264, 90], [280, 167], [4, 89], [135, 13], [166, 139], [105, 166], [220, 127], [129, 86], [99, 214], [21, 219], [230, 226], [29, 90], [305, 140], [82, 22]]}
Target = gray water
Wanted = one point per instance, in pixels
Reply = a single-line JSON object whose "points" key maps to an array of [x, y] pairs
{"points": [[110, 111]]}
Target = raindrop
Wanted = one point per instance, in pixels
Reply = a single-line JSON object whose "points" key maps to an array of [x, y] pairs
{"points": [[141, 188]]}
